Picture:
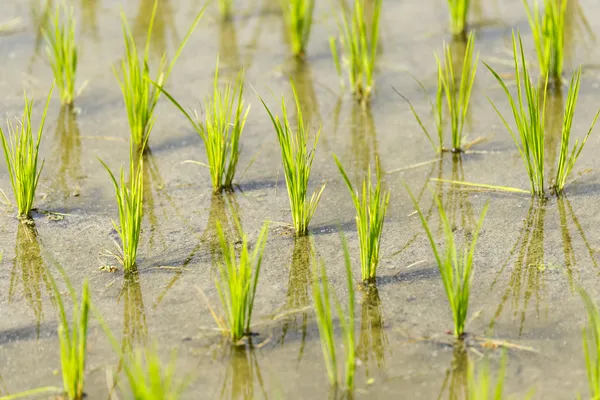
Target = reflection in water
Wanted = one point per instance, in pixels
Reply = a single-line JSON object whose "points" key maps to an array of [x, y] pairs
{"points": [[456, 379], [372, 341], [135, 329], [40, 11], [298, 292], [577, 28], [457, 204], [241, 374], [224, 208], [67, 154], [229, 54], [163, 23], [89, 18], [553, 122], [29, 268], [527, 279], [301, 74], [153, 187], [364, 148]]}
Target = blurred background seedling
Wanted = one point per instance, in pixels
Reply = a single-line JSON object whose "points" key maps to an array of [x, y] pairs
{"points": [[298, 16]]}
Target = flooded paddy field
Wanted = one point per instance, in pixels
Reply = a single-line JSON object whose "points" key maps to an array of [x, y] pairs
{"points": [[531, 254]]}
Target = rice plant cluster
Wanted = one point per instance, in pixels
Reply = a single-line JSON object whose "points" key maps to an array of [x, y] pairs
{"points": [[459, 13], [298, 16]]}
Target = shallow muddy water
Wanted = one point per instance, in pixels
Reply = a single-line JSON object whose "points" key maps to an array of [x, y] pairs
{"points": [[528, 257]]}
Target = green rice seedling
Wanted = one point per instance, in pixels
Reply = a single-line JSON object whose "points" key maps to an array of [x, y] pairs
{"points": [[298, 16], [297, 164], [21, 151], [591, 344], [528, 110], [548, 28], [221, 130], [322, 298], [130, 203], [236, 282], [457, 93], [455, 264], [370, 215], [480, 383], [358, 48], [459, 11], [61, 50], [139, 94]]}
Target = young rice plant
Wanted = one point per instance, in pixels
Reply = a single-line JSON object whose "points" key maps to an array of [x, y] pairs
{"points": [[528, 110], [236, 282], [221, 130], [371, 207], [21, 151], [548, 28], [297, 164], [130, 203], [298, 16], [455, 264], [459, 11], [457, 98], [358, 48], [61, 50], [323, 297], [139, 94]]}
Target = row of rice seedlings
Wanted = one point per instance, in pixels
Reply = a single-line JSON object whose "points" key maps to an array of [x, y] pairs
{"points": [[322, 301], [221, 130], [236, 282], [371, 207], [358, 48], [457, 98], [459, 11], [139, 94], [130, 204], [61, 50], [548, 28], [528, 110], [297, 164], [298, 15], [21, 152], [455, 264]]}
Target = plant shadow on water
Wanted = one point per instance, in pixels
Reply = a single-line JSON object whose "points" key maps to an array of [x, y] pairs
{"points": [[164, 24], [241, 374], [135, 328], [372, 341], [298, 294], [29, 267], [67, 155], [456, 378]]}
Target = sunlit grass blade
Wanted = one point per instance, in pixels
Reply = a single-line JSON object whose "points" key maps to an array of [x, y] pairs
{"points": [[297, 164], [567, 156], [455, 262], [358, 40], [21, 152], [61, 50], [459, 12], [130, 204], [591, 344], [298, 16], [548, 29], [221, 130], [139, 94], [323, 298], [237, 280], [371, 207]]}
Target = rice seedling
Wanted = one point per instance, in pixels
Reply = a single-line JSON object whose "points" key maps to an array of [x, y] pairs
{"points": [[548, 28], [21, 152], [480, 383], [298, 16], [358, 48], [139, 94], [370, 215], [455, 264], [457, 98], [61, 50], [297, 164], [591, 344], [459, 11], [130, 204], [221, 130], [236, 282], [528, 110], [322, 298]]}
